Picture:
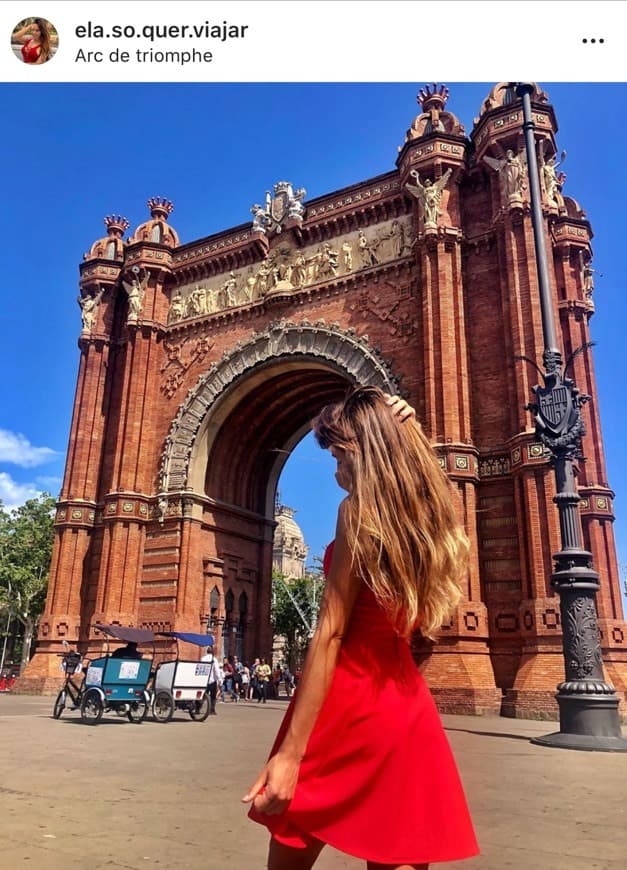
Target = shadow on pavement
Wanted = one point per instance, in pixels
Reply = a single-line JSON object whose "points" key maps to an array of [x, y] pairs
{"points": [[524, 737]]}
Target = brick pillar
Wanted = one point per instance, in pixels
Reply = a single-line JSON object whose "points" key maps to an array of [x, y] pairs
{"points": [[77, 509], [460, 663], [573, 264]]}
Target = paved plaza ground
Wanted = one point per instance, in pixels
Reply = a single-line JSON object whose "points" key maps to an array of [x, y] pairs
{"points": [[119, 795]]}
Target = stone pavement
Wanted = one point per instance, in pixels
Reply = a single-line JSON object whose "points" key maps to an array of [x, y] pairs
{"points": [[118, 795]]}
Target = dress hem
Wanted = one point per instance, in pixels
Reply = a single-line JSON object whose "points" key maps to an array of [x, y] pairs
{"points": [[377, 859]]}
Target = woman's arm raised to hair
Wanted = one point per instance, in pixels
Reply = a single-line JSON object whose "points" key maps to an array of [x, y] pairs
{"points": [[23, 34], [400, 408], [275, 785]]}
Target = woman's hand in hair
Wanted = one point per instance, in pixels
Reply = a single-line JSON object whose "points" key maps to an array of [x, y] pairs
{"points": [[400, 408]]}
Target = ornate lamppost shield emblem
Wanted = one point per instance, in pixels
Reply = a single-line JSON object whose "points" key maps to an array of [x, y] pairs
{"points": [[555, 410]]}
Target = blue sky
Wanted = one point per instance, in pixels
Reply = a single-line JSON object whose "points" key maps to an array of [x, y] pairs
{"points": [[73, 153]]}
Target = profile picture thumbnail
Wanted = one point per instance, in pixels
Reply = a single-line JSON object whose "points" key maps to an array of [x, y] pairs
{"points": [[34, 40]]}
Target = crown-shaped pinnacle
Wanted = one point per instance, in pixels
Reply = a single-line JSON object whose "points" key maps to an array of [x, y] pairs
{"points": [[116, 225], [160, 207], [432, 97]]}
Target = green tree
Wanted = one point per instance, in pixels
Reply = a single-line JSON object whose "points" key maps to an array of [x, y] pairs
{"points": [[26, 536], [295, 607]]}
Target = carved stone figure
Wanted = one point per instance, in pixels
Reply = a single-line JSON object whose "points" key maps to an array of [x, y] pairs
{"points": [[89, 309], [285, 204], [177, 308], [367, 250], [263, 277], [228, 291], [429, 195], [587, 273], [135, 292], [551, 180], [328, 261], [251, 283], [299, 274], [194, 306], [347, 256], [211, 301], [259, 218], [511, 169]]}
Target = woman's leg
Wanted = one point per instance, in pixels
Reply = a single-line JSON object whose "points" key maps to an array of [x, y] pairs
{"points": [[281, 857], [372, 865]]}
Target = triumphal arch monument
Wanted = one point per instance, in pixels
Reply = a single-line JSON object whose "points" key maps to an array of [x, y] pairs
{"points": [[202, 364]]}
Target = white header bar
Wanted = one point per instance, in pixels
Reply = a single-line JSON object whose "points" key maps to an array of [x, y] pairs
{"points": [[319, 40]]}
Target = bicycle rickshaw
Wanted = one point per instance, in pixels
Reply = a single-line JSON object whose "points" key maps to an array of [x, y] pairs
{"points": [[72, 665], [118, 683], [182, 684]]}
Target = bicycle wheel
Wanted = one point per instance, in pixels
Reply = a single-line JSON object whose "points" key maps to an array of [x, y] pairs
{"points": [[199, 710], [163, 707], [92, 707], [137, 710], [59, 704]]}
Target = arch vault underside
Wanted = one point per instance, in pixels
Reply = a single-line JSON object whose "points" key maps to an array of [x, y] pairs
{"points": [[274, 384]]}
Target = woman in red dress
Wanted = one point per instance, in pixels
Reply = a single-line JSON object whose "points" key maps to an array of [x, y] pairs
{"points": [[35, 40], [361, 761]]}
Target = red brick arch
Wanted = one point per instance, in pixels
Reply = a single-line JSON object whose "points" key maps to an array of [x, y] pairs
{"points": [[300, 367]]}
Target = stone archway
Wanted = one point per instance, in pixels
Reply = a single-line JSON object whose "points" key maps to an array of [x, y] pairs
{"points": [[225, 452], [284, 346]]}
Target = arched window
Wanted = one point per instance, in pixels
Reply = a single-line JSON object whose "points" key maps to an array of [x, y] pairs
{"points": [[110, 253], [243, 606], [229, 602], [214, 602], [157, 233]]}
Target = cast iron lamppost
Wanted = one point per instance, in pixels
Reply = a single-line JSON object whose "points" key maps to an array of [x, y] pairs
{"points": [[588, 705]]}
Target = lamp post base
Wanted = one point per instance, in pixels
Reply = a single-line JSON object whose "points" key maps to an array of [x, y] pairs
{"points": [[589, 720], [583, 742]]}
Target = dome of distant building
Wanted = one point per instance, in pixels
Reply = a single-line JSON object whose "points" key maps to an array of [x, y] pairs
{"points": [[289, 550]]}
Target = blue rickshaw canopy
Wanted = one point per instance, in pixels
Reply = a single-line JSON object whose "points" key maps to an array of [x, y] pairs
{"points": [[189, 637]]}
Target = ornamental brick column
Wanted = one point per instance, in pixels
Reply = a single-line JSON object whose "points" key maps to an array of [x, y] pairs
{"points": [[78, 508], [432, 159], [524, 611], [128, 476], [572, 254]]}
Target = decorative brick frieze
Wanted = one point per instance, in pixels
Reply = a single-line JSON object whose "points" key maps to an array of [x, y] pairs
{"points": [[75, 513]]}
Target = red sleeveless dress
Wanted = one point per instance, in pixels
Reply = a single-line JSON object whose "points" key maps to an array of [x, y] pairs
{"points": [[378, 780], [30, 52]]}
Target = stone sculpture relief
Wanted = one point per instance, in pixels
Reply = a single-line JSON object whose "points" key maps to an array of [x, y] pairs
{"points": [[285, 204], [89, 309], [552, 181], [289, 269], [512, 175], [429, 195], [135, 291]]}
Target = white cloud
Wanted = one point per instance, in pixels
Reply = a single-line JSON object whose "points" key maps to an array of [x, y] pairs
{"points": [[13, 494], [17, 449]]}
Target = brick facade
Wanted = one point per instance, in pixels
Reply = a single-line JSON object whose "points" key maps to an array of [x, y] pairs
{"points": [[201, 362]]}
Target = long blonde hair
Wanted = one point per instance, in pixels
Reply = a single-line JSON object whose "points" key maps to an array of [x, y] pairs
{"points": [[406, 540]]}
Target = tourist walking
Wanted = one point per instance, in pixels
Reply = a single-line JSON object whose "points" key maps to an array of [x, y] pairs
{"points": [[361, 760], [263, 673], [254, 680], [213, 679], [229, 681]]}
